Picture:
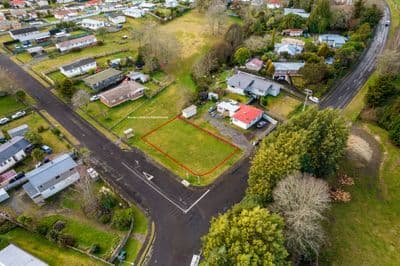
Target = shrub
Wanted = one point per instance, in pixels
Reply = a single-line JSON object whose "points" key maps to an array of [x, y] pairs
{"points": [[59, 225], [108, 201], [42, 229], [55, 131], [94, 249], [66, 240], [25, 220], [6, 226], [122, 219], [21, 95], [41, 129]]}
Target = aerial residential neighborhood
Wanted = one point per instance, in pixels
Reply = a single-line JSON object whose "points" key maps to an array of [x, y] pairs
{"points": [[195, 132]]}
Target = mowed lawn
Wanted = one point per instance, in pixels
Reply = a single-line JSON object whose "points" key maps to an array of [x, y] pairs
{"points": [[9, 105], [47, 251], [191, 147]]}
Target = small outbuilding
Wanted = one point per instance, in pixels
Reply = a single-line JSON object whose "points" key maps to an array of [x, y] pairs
{"points": [[189, 111], [18, 131], [13, 255], [3, 195]]}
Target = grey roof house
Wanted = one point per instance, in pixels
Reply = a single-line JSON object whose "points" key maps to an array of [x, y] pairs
{"points": [[14, 256], [50, 178], [12, 152], [18, 131], [103, 79], [245, 83]]}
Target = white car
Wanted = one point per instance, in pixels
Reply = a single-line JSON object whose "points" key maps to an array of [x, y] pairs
{"points": [[94, 98], [313, 99], [4, 120], [92, 173], [18, 114]]}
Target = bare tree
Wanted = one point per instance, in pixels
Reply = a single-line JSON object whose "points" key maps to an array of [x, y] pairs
{"points": [[302, 199], [389, 62], [216, 17], [6, 83], [257, 44], [86, 192], [80, 98]]}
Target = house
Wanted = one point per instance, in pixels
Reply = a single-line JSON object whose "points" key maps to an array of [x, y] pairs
{"points": [[293, 41], [50, 178], [2, 16], [247, 116], [93, 3], [333, 40], [42, 3], [35, 51], [287, 69], [228, 107], [137, 76], [291, 49], [19, 13], [117, 19], [18, 131], [13, 256], [13, 152], [103, 79], [255, 64], [189, 111], [3, 196], [18, 3], [133, 12], [64, 1], [293, 32], [127, 91], [78, 67], [29, 34], [92, 24], [296, 11], [76, 43], [274, 4], [171, 3], [6, 177], [147, 6], [244, 83], [65, 14]]}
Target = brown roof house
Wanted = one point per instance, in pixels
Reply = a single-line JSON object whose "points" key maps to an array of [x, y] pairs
{"points": [[128, 90]]}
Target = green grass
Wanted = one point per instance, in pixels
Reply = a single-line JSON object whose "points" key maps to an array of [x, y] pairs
{"points": [[282, 105], [141, 222], [46, 250], [24, 57], [366, 230], [9, 105], [86, 234], [132, 248]]}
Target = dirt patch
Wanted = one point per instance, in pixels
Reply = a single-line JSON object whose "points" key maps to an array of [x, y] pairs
{"points": [[358, 147]]}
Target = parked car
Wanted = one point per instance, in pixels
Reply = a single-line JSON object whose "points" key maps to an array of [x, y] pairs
{"points": [[4, 120], [94, 98], [18, 115], [92, 173], [313, 99], [122, 255], [46, 149], [213, 114], [212, 109], [261, 124]]}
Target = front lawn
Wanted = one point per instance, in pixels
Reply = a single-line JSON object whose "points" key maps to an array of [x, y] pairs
{"points": [[9, 105], [281, 105]]}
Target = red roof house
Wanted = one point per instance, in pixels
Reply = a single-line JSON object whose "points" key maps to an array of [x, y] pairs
{"points": [[247, 116]]}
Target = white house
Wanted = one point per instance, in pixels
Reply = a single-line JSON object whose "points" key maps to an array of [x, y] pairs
{"points": [[293, 32], [12, 152], [171, 3], [28, 34], [286, 69], [228, 107], [244, 83], [134, 12], [13, 256], [18, 131], [296, 11], [76, 43], [291, 49], [50, 178], [64, 1], [333, 40], [78, 67], [274, 4], [189, 111], [65, 13], [117, 19], [246, 116], [255, 64], [92, 24], [148, 6]]}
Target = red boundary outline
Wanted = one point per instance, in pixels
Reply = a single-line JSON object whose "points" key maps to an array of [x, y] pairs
{"points": [[236, 149]]}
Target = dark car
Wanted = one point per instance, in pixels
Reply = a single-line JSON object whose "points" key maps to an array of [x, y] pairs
{"points": [[212, 109], [261, 124]]}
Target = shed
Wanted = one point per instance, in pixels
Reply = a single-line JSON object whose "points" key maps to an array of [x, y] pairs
{"points": [[18, 131], [3, 195], [35, 51], [189, 111]]}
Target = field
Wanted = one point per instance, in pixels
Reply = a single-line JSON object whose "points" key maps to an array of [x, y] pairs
{"points": [[197, 151], [9, 105], [45, 250]]}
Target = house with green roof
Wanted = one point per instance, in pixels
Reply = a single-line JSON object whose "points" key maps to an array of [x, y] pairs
{"points": [[104, 79]]}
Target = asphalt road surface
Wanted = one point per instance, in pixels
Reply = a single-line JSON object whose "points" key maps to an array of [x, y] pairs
{"points": [[181, 214], [346, 89]]}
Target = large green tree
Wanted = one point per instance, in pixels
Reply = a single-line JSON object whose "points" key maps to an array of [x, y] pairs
{"points": [[380, 91], [320, 17], [245, 237]]}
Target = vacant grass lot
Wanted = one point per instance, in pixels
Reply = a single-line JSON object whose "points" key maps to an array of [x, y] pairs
{"points": [[45, 250], [191, 147], [9, 105], [282, 105]]}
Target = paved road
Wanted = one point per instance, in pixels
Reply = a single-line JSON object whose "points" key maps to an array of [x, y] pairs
{"points": [[345, 90]]}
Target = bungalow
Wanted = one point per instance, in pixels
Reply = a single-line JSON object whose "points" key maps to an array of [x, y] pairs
{"points": [[137, 76], [286, 69], [92, 24], [291, 49], [245, 83], [247, 116], [78, 67], [117, 19], [171, 3], [18, 131], [255, 64], [77, 43], [18, 3], [64, 1], [147, 6], [50, 178], [293, 32], [189, 111], [42, 3], [274, 4], [127, 91], [13, 152], [2, 16], [333, 40], [65, 14], [134, 12], [93, 3], [296, 11], [228, 108], [104, 79], [13, 255], [28, 34], [35, 51]]}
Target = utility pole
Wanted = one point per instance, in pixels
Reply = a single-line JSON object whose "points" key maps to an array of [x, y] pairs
{"points": [[308, 94]]}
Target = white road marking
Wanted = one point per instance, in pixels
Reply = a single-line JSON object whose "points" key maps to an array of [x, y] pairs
{"points": [[148, 176]]}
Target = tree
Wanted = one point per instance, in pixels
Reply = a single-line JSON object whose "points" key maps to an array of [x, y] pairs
{"points": [[320, 17], [122, 219], [34, 138], [358, 8], [80, 98], [293, 21], [66, 88], [302, 200], [256, 44], [371, 15], [323, 50], [341, 19], [102, 33], [234, 36], [21, 95], [389, 62], [380, 91], [37, 155], [245, 237], [314, 73], [241, 55], [216, 18]]}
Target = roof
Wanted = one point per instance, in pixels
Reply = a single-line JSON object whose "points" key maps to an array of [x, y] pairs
{"points": [[14, 256], [190, 109], [293, 30], [137, 75], [288, 66], [18, 129], [92, 21], [245, 81], [24, 30], [247, 113], [332, 37], [13, 146], [79, 63], [103, 75], [293, 41], [68, 43], [296, 11], [43, 177], [231, 106], [288, 48], [7, 175], [34, 49], [122, 90], [255, 61]]}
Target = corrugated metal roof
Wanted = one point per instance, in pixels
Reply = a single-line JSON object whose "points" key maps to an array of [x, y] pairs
{"points": [[14, 256], [13, 146]]}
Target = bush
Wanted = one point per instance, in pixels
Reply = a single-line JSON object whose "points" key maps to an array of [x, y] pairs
{"points": [[25, 220], [59, 225], [42, 229], [41, 129], [108, 201], [21, 95], [122, 219], [94, 249], [55, 131], [6, 226], [66, 240], [53, 235], [105, 218]]}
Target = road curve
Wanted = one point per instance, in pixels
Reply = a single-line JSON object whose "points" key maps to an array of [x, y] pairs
{"points": [[346, 89]]}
